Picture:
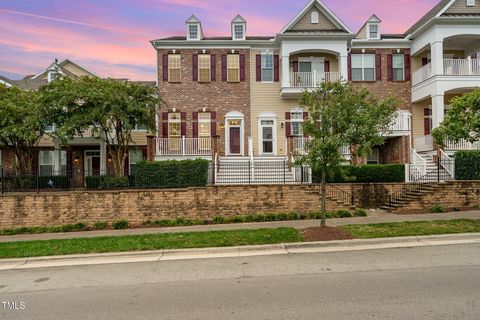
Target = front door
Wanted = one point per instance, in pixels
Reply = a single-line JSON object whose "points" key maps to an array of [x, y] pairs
{"points": [[234, 141], [92, 163], [267, 137]]}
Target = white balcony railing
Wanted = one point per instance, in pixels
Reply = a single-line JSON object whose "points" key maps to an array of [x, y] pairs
{"points": [[422, 74], [451, 67], [183, 146], [312, 79], [462, 145], [300, 146], [402, 122], [461, 67]]}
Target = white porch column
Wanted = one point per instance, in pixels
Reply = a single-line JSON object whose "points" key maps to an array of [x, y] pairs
{"points": [[436, 51], [57, 159], [344, 66], [103, 158], [285, 71], [438, 108]]}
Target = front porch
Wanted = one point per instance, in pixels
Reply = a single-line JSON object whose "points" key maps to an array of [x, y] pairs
{"points": [[184, 148]]}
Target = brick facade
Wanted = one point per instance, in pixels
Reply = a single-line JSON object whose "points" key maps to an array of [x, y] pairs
{"points": [[220, 96]]}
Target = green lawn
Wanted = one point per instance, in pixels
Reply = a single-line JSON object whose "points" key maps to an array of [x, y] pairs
{"points": [[148, 242], [414, 228]]}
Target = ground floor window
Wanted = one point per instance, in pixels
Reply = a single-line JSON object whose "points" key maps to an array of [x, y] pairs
{"points": [[296, 123], [374, 158], [134, 156], [46, 163]]}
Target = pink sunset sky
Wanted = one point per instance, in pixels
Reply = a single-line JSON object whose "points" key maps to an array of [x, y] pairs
{"points": [[111, 37]]}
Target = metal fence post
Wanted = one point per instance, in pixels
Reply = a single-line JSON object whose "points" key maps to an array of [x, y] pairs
{"points": [[438, 169], [249, 171], [284, 172], [38, 182], [1, 177]]}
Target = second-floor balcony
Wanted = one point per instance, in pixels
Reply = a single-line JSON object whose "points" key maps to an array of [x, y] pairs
{"points": [[451, 67], [182, 146], [312, 79]]}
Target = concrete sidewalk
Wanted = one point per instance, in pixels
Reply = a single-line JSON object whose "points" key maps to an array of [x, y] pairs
{"points": [[374, 217]]}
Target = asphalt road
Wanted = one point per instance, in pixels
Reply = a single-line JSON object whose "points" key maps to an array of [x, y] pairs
{"points": [[438, 282]]}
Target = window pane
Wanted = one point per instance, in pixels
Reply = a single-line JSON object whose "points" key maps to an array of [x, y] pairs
{"points": [[267, 74], [357, 74], [46, 157], [296, 115], [305, 67], [267, 60], [369, 61], [369, 74], [356, 60], [174, 62], [174, 129], [193, 30], [204, 125], [398, 74], [233, 66], [238, 31], [398, 60], [296, 128]]}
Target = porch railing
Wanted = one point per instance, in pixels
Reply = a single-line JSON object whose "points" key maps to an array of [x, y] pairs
{"points": [[312, 79], [462, 145], [184, 146], [418, 166], [461, 67], [300, 146], [402, 122]]}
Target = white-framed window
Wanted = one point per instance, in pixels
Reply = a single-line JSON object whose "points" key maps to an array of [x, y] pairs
{"points": [[373, 31], [174, 125], [296, 123], [204, 68], [46, 165], [134, 156], [470, 3], [193, 32], [398, 67], [314, 17], [267, 67], [174, 67], [238, 32], [233, 68], [204, 125], [363, 67], [140, 127], [50, 128]]}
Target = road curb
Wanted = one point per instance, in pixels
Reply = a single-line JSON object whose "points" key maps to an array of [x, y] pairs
{"points": [[240, 251]]}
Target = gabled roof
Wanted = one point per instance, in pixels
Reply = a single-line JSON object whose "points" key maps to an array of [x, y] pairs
{"points": [[339, 25], [239, 19], [6, 81], [362, 32], [446, 8], [193, 19], [62, 66]]}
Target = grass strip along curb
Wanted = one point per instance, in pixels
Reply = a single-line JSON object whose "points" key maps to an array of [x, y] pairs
{"points": [[149, 242], [412, 228]]}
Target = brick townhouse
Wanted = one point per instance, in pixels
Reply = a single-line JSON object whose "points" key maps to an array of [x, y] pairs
{"points": [[83, 155], [237, 96]]}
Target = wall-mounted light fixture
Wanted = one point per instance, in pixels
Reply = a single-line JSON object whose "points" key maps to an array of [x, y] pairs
{"points": [[76, 160], [282, 125], [222, 126]]}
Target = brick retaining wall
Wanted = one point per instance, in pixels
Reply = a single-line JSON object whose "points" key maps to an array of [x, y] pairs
{"points": [[136, 206]]}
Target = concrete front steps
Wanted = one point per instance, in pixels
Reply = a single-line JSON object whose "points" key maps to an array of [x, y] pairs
{"points": [[262, 170]]}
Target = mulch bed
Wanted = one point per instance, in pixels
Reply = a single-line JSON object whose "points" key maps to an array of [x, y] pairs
{"points": [[325, 234]]}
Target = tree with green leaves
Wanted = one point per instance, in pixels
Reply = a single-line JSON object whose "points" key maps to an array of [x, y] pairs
{"points": [[22, 124], [341, 114], [462, 120], [105, 108]]}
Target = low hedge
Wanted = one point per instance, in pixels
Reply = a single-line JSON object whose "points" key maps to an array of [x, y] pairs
{"points": [[172, 174], [467, 165], [371, 173], [106, 182]]}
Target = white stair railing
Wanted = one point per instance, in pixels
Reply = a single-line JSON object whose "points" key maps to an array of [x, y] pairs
{"points": [[418, 166], [250, 154], [447, 163]]}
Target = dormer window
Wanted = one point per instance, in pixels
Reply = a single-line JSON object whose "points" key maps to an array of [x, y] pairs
{"points": [[314, 17], [239, 27], [373, 31], [238, 31], [193, 32], [470, 3], [194, 28]]}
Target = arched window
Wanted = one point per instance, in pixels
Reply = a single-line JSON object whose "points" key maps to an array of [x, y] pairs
{"points": [[314, 17]]}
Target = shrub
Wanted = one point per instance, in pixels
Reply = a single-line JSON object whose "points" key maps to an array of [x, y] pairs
{"points": [[282, 217], [249, 218], [164, 223], [120, 224], [342, 214], [100, 225], [30, 182], [106, 182], [270, 217], [359, 213], [218, 220], [172, 174], [467, 165], [366, 174], [292, 216], [438, 208], [235, 219]]}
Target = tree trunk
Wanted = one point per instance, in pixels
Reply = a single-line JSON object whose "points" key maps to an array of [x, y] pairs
{"points": [[324, 199]]}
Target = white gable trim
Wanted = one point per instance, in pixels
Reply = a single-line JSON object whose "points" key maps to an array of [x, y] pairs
{"points": [[8, 84], [445, 8], [325, 11]]}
